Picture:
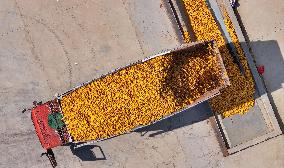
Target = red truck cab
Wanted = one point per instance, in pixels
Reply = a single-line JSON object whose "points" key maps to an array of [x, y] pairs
{"points": [[48, 136]]}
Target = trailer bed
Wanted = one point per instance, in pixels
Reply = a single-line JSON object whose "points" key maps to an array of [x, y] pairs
{"points": [[204, 97], [144, 92]]}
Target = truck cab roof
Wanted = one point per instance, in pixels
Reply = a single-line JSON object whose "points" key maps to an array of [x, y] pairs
{"points": [[48, 136]]}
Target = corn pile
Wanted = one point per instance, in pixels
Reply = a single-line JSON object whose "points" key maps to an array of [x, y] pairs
{"points": [[248, 98], [140, 94], [237, 98], [186, 37]]}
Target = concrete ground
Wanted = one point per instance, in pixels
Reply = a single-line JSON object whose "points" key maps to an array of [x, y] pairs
{"points": [[48, 47]]}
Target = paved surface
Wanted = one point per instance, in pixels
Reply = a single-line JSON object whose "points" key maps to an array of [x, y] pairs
{"points": [[48, 47], [265, 27]]}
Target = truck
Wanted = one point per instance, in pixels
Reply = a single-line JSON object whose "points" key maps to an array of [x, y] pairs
{"points": [[49, 119]]}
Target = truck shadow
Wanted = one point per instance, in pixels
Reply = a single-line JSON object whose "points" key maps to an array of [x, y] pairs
{"points": [[88, 152], [189, 116]]}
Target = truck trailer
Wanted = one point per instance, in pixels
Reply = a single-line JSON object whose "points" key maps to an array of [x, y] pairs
{"points": [[118, 102]]}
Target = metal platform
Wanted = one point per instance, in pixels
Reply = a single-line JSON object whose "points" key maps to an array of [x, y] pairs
{"points": [[237, 132], [260, 123]]}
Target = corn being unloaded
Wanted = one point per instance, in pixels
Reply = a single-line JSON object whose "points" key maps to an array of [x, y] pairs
{"points": [[140, 94], [186, 37], [237, 98], [247, 95]]}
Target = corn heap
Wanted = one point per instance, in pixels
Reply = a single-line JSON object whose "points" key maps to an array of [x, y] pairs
{"points": [[237, 98], [140, 94], [186, 37]]}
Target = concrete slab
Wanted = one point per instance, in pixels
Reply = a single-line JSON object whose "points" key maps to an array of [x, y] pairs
{"points": [[154, 28], [49, 47], [38, 48], [262, 155]]}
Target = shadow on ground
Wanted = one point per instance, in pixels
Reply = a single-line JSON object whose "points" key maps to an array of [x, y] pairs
{"points": [[190, 116], [269, 54], [88, 152]]}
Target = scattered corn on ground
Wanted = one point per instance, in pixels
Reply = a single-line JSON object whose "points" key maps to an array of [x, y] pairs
{"points": [[140, 94], [237, 98]]}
